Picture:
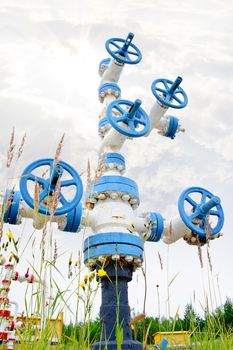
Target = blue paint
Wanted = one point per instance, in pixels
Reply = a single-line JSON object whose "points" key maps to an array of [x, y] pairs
{"points": [[111, 243], [164, 344], [116, 184], [104, 63], [73, 219], [113, 237], [171, 94], [114, 301], [109, 86], [172, 128], [49, 184], [115, 158], [208, 205], [55, 174], [157, 227], [123, 50], [104, 121], [130, 116], [10, 214], [112, 249]]}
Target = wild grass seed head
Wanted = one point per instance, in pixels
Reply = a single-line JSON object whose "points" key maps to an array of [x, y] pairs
{"points": [[10, 152], [58, 150], [20, 150]]}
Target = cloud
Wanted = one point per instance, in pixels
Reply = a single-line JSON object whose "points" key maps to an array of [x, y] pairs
{"points": [[50, 52]]}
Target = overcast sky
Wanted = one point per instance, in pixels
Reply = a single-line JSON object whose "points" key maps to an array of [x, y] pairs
{"points": [[49, 56]]}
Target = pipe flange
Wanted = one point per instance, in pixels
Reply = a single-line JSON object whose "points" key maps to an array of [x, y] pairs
{"points": [[112, 244], [109, 89], [104, 127], [103, 66]]}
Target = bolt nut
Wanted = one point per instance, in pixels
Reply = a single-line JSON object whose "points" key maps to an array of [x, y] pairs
{"points": [[116, 257], [101, 259], [129, 258], [114, 195], [133, 201], [138, 262], [102, 196], [125, 197]]}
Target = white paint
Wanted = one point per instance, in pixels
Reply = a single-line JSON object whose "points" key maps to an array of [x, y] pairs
{"points": [[174, 230], [112, 73]]}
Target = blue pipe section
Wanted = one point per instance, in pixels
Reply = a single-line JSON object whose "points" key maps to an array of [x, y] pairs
{"points": [[134, 108], [157, 227], [55, 173], [73, 219], [175, 85], [127, 43], [205, 208], [172, 128], [13, 199]]}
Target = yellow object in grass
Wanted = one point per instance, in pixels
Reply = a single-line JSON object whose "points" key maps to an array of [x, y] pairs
{"points": [[101, 273], [9, 235], [82, 285]]}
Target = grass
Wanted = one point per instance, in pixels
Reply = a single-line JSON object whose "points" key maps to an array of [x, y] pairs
{"points": [[83, 287]]}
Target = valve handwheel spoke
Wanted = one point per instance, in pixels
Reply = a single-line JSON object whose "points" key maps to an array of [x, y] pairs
{"points": [[123, 50], [172, 94], [128, 118], [49, 186], [206, 216]]}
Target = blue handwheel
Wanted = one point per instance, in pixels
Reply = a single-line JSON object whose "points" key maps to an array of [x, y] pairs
{"points": [[128, 118], [123, 50], [48, 185], [203, 216], [169, 93]]}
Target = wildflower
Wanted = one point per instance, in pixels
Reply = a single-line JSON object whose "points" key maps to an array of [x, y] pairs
{"points": [[101, 273], [82, 285], [132, 224], [9, 235], [86, 278], [70, 260], [76, 262], [91, 276]]}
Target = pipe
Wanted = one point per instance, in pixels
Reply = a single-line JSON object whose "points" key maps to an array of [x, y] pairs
{"points": [[174, 230], [113, 72], [156, 113]]}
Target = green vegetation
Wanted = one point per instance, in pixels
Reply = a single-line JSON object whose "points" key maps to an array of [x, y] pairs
{"points": [[213, 331]]}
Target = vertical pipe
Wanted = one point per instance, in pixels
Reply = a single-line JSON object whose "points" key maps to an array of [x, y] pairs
{"points": [[115, 310]]}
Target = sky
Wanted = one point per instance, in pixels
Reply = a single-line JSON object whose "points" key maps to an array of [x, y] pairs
{"points": [[49, 56]]}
